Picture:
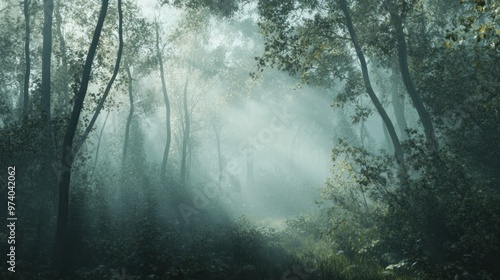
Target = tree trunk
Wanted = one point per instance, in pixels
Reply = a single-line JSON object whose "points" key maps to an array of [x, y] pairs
{"points": [[48, 151], [388, 141], [130, 116], [399, 110], [27, 72], [167, 108], [64, 60], [189, 162], [217, 132], [380, 109], [362, 129], [100, 138], [68, 152], [362, 133], [48, 6], [423, 114], [185, 138]]}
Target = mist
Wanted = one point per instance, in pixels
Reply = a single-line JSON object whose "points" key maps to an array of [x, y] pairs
{"points": [[249, 140]]}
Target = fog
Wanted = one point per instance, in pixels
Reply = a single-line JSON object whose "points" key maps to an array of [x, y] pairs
{"points": [[249, 139]]}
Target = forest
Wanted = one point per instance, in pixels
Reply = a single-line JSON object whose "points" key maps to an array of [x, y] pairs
{"points": [[250, 139]]}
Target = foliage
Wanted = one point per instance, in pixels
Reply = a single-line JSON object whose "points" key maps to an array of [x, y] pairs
{"points": [[478, 24], [450, 225], [222, 8], [438, 228]]}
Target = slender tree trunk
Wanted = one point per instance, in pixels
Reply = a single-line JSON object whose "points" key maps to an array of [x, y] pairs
{"points": [[68, 152], [100, 138], [362, 128], [217, 132], [189, 162], [27, 72], [130, 116], [399, 110], [48, 6], [362, 133], [380, 109], [431, 141], [388, 141], [64, 59], [167, 108], [185, 138], [48, 154]]}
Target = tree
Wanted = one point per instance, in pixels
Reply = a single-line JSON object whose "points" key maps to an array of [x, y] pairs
{"points": [[48, 7], [62, 87], [130, 114], [366, 79], [9, 55], [186, 132], [314, 47], [69, 149], [217, 128], [137, 50], [166, 152], [397, 14], [27, 73], [460, 90]]}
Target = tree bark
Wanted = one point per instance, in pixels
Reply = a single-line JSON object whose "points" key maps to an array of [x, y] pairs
{"points": [[100, 138], [101, 102], [48, 6], [185, 137], [431, 141], [48, 154], [399, 110], [217, 131], [167, 108], [68, 151], [130, 116], [27, 72], [398, 151], [64, 60], [389, 145]]}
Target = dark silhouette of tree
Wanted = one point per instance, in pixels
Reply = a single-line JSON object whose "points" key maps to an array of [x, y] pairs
{"points": [[69, 149]]}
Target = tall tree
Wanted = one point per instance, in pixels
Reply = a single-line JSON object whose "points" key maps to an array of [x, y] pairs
{"points": [[48, 146], [63, 73], [130, 114], [366, 79], [99, 140], [48, 7], [397, 14], [69, 150], [315, 48], [168, 141], [27, 73], [217, 128], [186, 132], [397, 100], [138, 53]]}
